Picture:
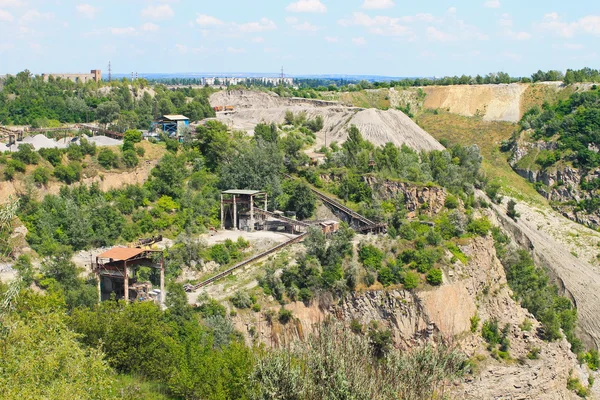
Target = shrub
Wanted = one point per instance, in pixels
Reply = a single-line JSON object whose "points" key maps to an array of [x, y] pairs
{"points": [[511, 210], [241, 300], [130, 158], [140, 151], [68, 174], [256, 307], [479, 226], [54, 156], [220, 254], [475, 323], [435, 277], [356, 326], [17, 165], [451, 202], [534, 353], [107, 158], [411, 280], [26, 154], [41, 175], [284, 315]]}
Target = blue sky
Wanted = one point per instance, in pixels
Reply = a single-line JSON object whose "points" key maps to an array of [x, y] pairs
{"points": [[384, 37]]}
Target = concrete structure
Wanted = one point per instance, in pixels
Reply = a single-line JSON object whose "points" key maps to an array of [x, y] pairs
{"points": [[94, 75], [116, 271], [172, 125], [242, 217]]}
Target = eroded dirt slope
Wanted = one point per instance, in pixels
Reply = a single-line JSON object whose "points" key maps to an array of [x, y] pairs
{"points": [[377, 126]]}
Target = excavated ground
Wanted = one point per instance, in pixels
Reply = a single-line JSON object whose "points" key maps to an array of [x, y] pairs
{"points": [[377, 126]]}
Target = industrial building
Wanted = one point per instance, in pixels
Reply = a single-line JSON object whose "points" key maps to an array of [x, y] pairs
{"points": [[172, 125], [117, 272], [95, 75]]}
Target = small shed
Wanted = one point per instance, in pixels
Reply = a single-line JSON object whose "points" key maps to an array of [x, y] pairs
{"points": [[171, 124], [116, 270]]}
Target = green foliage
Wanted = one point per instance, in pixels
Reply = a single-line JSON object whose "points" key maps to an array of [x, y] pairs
{"points": [[284, 315], [336, 363], [479, 226], [435, 277], [573, 123], [298, 197], [241, 300], [41, 358], [68, 174], [494, 337], [370, 256], [26, 154], [475, 323], [411, 280], [107, 158], [511, 210], [130, 158], [574, 384], [41, 175], [267, 133], [54, 156]]}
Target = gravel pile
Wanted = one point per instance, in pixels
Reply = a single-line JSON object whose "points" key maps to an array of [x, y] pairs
{"points": [[40, 142], [105, 141]]}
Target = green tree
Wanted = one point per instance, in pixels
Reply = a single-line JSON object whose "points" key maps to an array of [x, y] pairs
{"points": [[108, 158]]}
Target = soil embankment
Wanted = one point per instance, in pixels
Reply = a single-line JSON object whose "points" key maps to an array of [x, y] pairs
{"points": [[377, 126]]}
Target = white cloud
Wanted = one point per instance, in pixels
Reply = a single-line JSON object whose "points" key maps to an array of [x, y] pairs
{"points": [[271, 50], [306, 27], [506, 25], [263, 25], [574, 46], [377, 4], [439, 36], [127, 31], [511, 56], [379, 25], [234, 50], [492, 4], [163, 11], [452, 10], [34, 15], [553, 24], [359, 41], [87, 10], [5, 16], [307, 6], [332, 39], [258, 39], [11, 3], [291, 20], [427, 55], [181, 48], [149, 27], [207, 20]]}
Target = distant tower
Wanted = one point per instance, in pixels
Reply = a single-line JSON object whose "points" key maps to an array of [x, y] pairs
{"points": [[282, 76], [109, 72]]}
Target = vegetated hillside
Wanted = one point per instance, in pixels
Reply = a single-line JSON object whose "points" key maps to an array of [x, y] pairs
{"points": [[440, 249], [556, 148], [567, 249], [377, 126]]}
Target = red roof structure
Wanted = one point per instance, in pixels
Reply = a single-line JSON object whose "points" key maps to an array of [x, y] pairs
{"points": [[121, 253]]}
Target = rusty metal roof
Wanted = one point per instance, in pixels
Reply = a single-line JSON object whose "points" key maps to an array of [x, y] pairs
{"points": [[121, 253]]}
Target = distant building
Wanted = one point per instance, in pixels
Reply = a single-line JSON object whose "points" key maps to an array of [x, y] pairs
{"points": [[172, 125], [94, 75]]}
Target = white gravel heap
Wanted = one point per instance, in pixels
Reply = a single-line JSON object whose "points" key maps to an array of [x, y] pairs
{"points": [[42, 142]]}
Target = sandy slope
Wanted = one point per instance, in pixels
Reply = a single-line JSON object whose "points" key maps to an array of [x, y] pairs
{"points": [[493, 102], [377, 126], [569, 251]]}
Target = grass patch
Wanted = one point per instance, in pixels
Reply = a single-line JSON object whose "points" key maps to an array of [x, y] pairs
{"points": [[456, 252], [487, 135]]}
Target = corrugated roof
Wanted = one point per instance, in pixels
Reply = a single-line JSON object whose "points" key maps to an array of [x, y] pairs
{"points": [[121, 253], [244, 192], [175, 117]]}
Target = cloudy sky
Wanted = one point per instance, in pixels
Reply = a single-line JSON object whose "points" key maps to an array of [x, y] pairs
{"points": [[385, 37]]}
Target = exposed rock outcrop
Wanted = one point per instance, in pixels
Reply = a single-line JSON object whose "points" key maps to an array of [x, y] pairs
{"points": [[480, 288], [417, 198]]}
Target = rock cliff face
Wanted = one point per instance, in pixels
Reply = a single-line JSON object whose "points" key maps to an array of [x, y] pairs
{"points": [[444, 313], [559, 184], [418, 198]]}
